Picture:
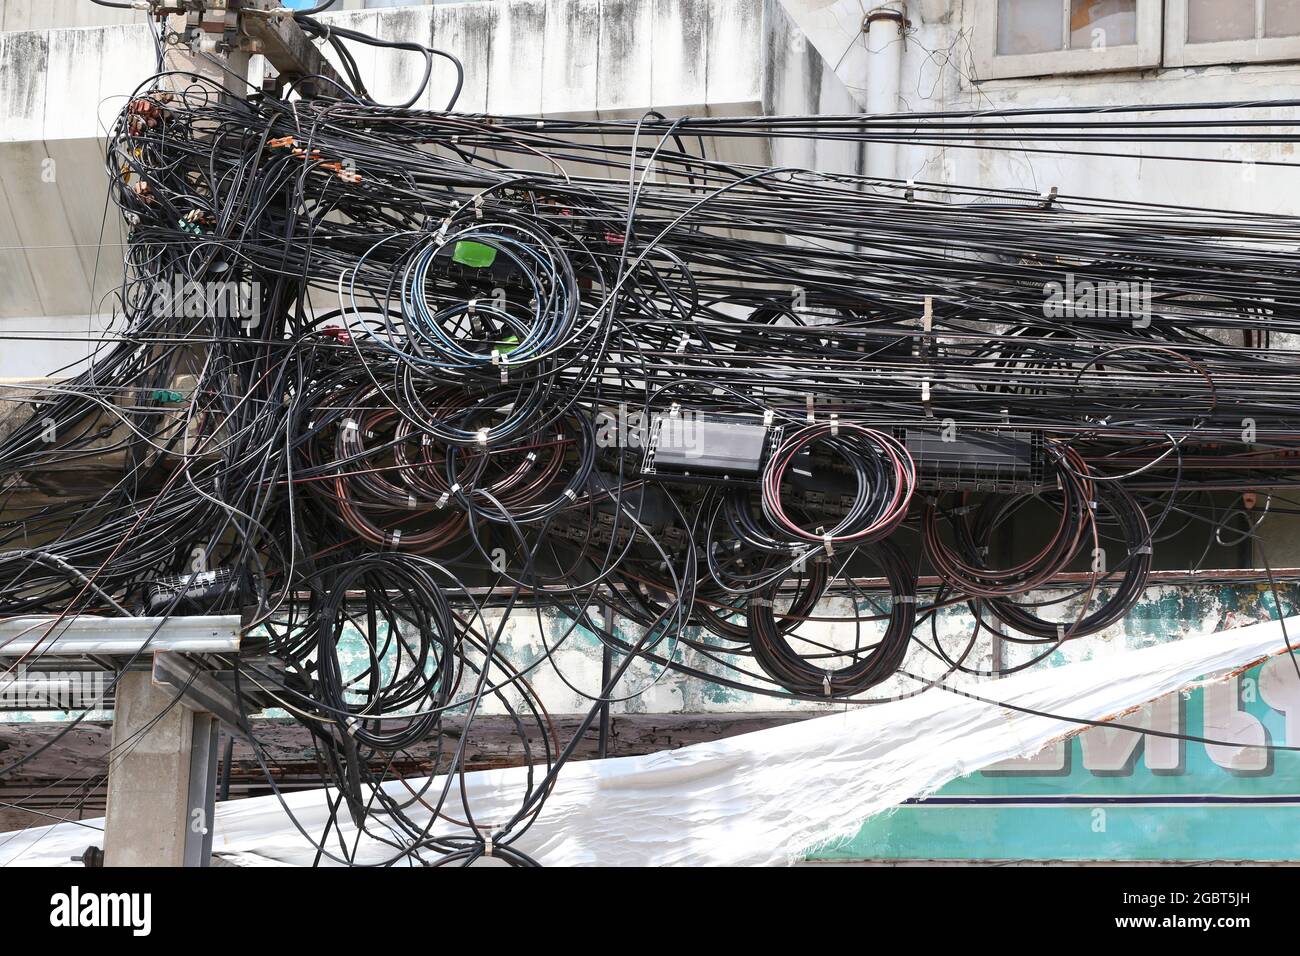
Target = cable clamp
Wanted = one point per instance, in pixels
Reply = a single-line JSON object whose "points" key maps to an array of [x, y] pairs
{"points": [[412, 502], [487, 845], [478, 206], [1046, 199], [760, 602], [394, 539], [925, 398], [1145, 549], [835, 426], [808, 401], [674, 410], [769, 417], [442, 501], [482, 436], [905, 599], [1060, 632], [570, 494], [910, 193], [826, 683], [827, 542]]}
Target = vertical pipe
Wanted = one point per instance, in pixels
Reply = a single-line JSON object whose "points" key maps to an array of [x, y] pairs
{"points": [[884, 27], [606, 670]]}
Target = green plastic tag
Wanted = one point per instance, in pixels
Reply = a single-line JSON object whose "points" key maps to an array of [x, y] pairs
{"points": [[473, 254]]}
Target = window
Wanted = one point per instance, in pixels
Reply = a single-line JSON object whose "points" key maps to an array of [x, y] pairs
{"points": [[1198, 32], [1037, 37]]}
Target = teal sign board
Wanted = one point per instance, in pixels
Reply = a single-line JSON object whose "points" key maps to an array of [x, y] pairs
{"points": [[1111, 794]]}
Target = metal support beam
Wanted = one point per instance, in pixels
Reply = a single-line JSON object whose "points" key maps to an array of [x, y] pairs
{"points": [[38, 638], [202, 795]]}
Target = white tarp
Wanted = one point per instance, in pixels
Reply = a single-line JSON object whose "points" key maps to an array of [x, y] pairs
{"points": [[759, 798]]}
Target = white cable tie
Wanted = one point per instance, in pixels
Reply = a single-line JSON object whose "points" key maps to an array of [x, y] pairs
{"points": [[442, 501], [1060, 632], [482, 436], [769, 417], [570, 494], [808, 401], [531, 457], [412, 501], [826, 543], [395, 538], [835, 426], [826, 684]]}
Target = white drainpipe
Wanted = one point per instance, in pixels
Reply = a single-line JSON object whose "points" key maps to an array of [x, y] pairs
{"points": [[884, 26]]}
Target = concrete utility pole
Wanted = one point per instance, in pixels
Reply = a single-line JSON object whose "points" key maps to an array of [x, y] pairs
{"points": [[216, 39], [163, 768]]}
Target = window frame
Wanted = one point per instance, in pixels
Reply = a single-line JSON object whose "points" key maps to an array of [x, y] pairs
{"points": [[1143, 55], [1178, 52]]}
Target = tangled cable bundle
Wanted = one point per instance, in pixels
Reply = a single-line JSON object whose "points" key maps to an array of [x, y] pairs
{"points": [[403, 376]]}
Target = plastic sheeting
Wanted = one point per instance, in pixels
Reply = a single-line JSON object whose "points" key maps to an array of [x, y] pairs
{"points": [[760, 798]]}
